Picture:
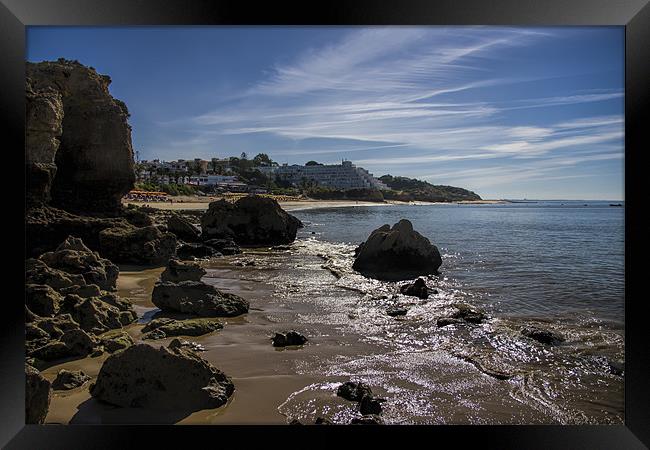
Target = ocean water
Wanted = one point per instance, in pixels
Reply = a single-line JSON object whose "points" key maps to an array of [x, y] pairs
{"points": [[556, 265], [546, 259]]}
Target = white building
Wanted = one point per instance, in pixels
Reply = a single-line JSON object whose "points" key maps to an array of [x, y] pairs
{"points": [[212, 180], [336, 176]]}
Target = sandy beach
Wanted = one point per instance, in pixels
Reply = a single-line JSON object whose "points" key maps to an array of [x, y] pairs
{"points": [[202, 203]]}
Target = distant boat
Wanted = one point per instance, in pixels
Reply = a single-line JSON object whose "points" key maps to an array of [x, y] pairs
{"points": [[615, 204]]}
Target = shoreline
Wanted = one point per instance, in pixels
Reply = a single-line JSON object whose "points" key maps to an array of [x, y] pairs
{"points": [[202, 203]]}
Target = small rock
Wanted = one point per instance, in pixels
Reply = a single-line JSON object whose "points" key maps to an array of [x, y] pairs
{"points": [[367, 420], [396, 311], [287, 339], [66, 379], [354, 391], [416, 289], [444, 321], [370, 405], [38, 394], [323, 421], [543, 336]]}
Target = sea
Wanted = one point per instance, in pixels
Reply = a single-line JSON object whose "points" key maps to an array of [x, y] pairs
{"points": [[555, 265]]}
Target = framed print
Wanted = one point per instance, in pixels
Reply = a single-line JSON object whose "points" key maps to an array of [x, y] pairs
{"points": [[422, 216]]}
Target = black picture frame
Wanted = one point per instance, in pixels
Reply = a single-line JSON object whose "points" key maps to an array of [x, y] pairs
{"points": [[15, 15]]}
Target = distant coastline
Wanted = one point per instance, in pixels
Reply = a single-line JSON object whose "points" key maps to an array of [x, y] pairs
{"points": [[202, 203]]}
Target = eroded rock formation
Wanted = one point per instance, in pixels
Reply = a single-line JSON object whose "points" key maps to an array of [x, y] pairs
{"points": [[78, 144], [397, 253], [249, 221]]}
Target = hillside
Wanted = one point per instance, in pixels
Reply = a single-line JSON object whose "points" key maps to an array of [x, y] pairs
{"points": [[410, 189]]}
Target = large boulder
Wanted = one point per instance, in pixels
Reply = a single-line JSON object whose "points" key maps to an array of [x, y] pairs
{"points": [[42, 300], [182, 228], [73, 257], [161, 378], [38, 394], [182, 271], [397, 253], [197, 298], [250, 221], [94, 164], [128, 244]]}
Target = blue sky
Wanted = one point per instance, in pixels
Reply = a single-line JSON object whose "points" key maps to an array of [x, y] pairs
{"points": [[508, 112]]}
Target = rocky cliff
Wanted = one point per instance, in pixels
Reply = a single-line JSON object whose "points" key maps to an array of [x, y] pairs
{"points": [[78, 142]]}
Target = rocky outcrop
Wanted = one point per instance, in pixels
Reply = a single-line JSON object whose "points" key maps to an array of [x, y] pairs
{"points": [[92, 166], [165, 327], [416, 289], [161, 378], [43, 127], [250, 221], [42, 300], [287, 339], [73, 257], [128, 244], [183, 228], [397, 253], [67, 379], [38, 394], [197, 298], [182, 271]]}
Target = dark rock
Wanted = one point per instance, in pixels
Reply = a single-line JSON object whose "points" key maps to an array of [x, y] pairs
{"points": [[183, 228], [162, 328], [223, 246], [616, 367], [43, 128], [85, 291], [66, 380], [37, 272], [116, 340], [396, 311], [295, 422], [543, 336], [370, 405], [468, 314], [146, 245], [444, 321], [367, 420], [323, 421], [397, 253], [56, 326], [287, 339], [137, 217], [38, 394], [94, 159], [170, 379], [94, 315], [416, 289], [42, 299], [354, 391], [251, 221], [190, 251], [197, 298], [47, 227], [182, 271], [73, 257]]}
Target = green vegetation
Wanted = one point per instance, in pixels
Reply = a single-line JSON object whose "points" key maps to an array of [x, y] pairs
{"points": [[367, 195], [410, 189], [171, 189]]}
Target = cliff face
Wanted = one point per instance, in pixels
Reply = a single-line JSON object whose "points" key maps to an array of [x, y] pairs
{"points": [[78, 143]]}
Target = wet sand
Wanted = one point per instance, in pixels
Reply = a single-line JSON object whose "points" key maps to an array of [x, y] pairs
{"points": [[263, 376]]}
